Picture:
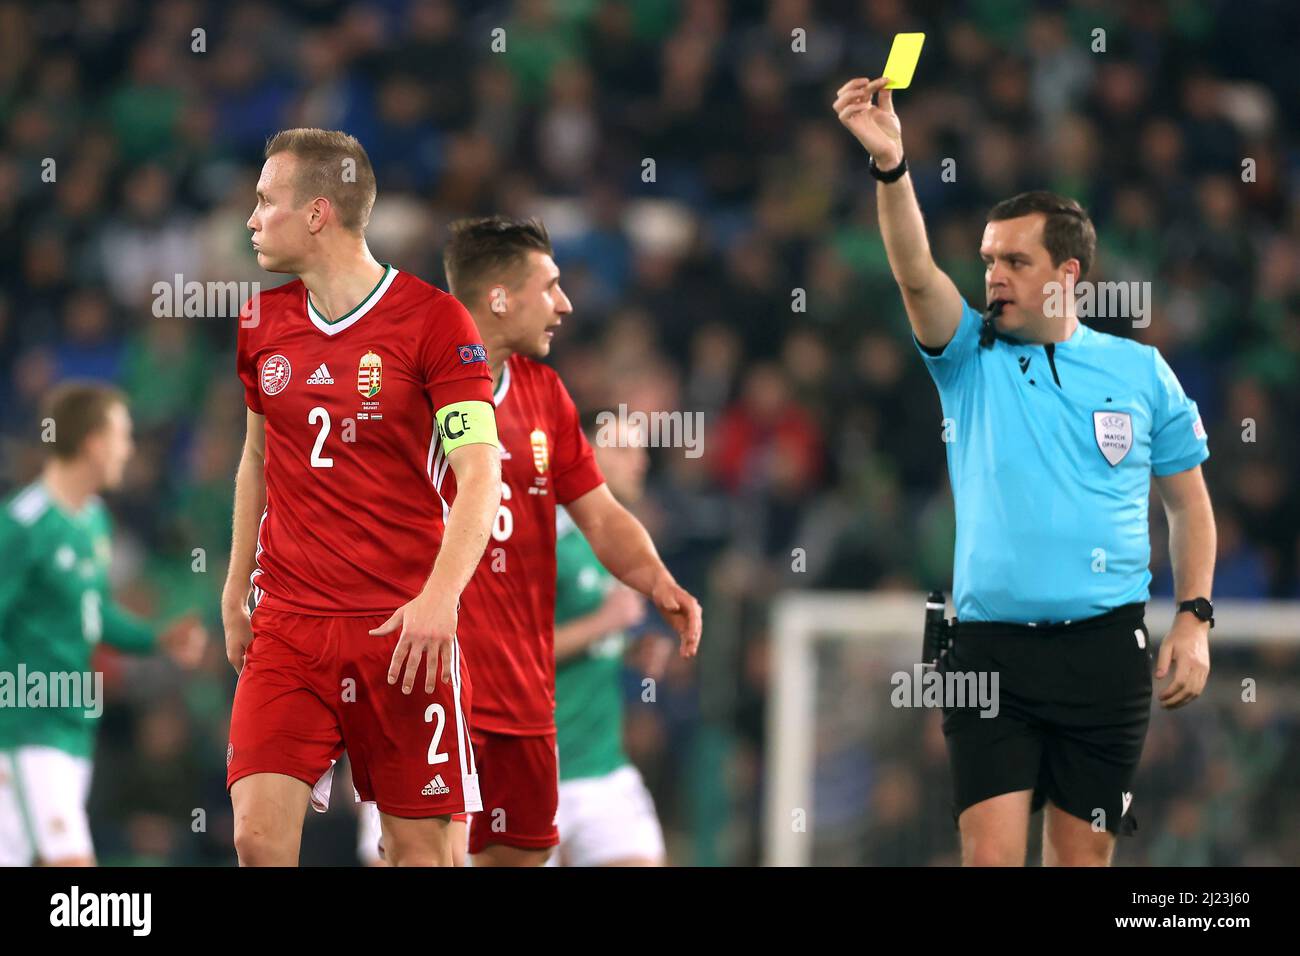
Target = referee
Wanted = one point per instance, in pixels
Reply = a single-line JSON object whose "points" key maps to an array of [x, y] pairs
{"points": [[1053, 432]]}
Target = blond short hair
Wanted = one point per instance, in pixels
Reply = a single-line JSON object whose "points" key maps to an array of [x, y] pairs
{"points": [[332, 164]]}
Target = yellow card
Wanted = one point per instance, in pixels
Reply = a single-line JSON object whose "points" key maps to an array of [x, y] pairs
{"points": [[902, 60]]}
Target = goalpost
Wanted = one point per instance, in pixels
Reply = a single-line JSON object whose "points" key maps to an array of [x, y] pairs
{"points": [[806, 623]]}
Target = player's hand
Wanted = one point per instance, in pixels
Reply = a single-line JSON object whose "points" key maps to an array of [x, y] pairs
{"points": [[239, 632], [184, 641], [680, 610], [622, 608], [428, 626], [875, 125], [1187, 647]]}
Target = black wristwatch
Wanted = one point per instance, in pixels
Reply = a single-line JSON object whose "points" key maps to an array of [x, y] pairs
{"points": [[1201, 607], [887, 175]]}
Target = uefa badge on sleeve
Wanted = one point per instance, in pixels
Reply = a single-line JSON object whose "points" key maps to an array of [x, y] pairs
{"points": [[471, 353], [1114, 431]]}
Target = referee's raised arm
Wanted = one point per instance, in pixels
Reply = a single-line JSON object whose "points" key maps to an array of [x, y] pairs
{"points": [[934, 306]]}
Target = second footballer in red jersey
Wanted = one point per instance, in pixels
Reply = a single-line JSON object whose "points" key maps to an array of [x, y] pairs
{"points": [[503, 270], [357, 378]]}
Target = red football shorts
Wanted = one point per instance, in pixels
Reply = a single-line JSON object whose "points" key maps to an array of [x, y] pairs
{"points": [[313, 686], [521, 792]]}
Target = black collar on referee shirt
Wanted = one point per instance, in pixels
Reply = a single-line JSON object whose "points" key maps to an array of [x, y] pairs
{"points": [[1050, 349], [989, 334]]}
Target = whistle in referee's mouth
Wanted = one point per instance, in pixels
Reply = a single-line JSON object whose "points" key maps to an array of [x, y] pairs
{"points": [[988, 331]]}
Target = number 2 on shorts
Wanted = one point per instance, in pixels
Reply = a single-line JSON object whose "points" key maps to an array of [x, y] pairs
{"points": [[434, 756]]}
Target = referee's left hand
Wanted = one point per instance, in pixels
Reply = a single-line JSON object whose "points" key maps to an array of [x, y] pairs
{"points": [[1187, 647]]}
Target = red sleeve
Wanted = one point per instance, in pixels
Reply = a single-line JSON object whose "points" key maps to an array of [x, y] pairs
{"points": [[454, 360], [244, 362], [575, 470]]}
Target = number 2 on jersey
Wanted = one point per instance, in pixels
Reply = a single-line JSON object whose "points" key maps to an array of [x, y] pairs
{"points": [[318, 414]]}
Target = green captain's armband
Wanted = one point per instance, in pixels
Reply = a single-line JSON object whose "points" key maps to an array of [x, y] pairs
{"points": [[466, 423]]}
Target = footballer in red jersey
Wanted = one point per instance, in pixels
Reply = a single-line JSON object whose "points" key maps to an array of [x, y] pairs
{"points": [[504, 272], [357, 377]]}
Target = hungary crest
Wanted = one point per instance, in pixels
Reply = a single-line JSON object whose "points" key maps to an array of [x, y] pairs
{"points": [[275, 375], [541, 456], [369, 375]]}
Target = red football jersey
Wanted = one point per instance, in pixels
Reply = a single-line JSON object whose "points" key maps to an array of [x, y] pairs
{"points": [[507, 613], [353, 520]]}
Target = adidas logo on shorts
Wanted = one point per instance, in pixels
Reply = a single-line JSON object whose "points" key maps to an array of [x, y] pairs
{"points": [[435, 787]]}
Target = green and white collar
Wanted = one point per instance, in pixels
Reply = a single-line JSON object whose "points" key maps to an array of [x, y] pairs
{"points": [[499, 394], [354, 316]]}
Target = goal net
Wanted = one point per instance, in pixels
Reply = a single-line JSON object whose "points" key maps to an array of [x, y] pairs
{"points": [[852, 779]]}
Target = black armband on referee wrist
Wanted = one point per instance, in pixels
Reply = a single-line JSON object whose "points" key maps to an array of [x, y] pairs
{"points": [[888, 175]]}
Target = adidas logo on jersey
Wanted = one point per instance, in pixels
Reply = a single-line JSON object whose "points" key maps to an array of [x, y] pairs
{"points": [[435, 787], [321, 376]]}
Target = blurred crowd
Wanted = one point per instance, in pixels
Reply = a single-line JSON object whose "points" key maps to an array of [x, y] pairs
{"points": [[716, 230]]}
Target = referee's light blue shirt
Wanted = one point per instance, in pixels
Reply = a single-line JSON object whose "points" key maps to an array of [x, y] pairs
{"points": [[1051, 469]]}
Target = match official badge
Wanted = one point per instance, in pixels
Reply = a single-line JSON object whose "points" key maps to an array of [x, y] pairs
{"points": [[369, 375], [1114, 431], [275, 375], [541, 457]]}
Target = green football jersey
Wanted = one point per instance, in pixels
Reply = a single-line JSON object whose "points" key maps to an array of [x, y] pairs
{"points": [[588, 700], [55, 606]]}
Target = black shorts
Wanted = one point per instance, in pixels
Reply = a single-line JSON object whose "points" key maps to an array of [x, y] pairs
{"points": [[1074, 701]]}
